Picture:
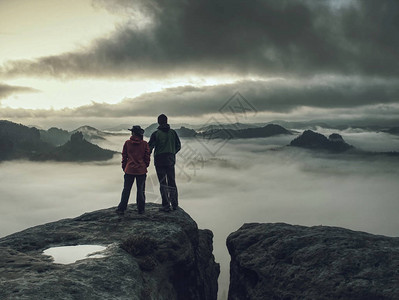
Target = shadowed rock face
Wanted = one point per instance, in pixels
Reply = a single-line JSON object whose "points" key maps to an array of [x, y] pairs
{"points": [[152, 256], [281, 261]]}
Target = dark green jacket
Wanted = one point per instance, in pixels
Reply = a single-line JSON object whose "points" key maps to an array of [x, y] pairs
{"points": [[166, 143]]}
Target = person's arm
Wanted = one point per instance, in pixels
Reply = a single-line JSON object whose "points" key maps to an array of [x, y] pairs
{"points": [[147, 155], [152, 141], [178, 143], [124, 157]]}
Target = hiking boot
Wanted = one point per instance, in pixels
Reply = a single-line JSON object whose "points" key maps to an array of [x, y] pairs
{"points": [[165, 208], [175, 207], [141, 212]]}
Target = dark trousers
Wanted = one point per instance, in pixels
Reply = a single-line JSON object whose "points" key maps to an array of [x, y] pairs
{"points": [[168, 188], [127, 187]]}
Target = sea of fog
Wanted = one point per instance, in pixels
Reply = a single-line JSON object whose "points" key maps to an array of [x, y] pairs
{"points": [[223, 184]]}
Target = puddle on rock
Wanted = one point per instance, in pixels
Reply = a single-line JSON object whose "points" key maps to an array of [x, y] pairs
{"points": [[71, 254]]}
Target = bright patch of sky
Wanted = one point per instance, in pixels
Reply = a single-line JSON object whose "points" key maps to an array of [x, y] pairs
{"points": [[30, 29], [58, 94]]}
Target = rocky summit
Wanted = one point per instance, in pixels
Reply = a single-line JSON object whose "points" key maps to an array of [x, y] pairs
{"points": [[313, 140], [281, 261], [155, 255]]}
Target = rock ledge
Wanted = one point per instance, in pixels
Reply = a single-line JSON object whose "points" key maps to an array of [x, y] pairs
{"points": [[282, 261], [152, 256]]}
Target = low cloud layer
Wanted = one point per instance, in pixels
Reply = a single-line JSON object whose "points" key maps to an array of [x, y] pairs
{"points": [[332, 98], [281, 96], [8, 90], [266, 38], [245, 182]]}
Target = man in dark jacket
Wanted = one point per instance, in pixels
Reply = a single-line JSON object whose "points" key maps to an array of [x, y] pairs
{"points": [[166, 143], [135, 160]]}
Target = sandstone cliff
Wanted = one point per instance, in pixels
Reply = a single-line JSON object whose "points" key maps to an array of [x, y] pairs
{"points": [[152, 256], [281, 261]]}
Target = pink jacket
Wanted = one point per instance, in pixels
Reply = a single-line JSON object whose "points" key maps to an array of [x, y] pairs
{"points": [[135, 156]]}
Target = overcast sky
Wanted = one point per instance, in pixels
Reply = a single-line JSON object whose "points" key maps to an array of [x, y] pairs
{"points": [[81, 61]]}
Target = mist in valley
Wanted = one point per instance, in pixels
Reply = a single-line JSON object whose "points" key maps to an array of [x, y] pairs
{"points": [[223, 184]]}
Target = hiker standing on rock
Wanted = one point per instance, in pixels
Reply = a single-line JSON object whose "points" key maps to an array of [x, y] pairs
{"points": [[166, 143], [135, 160]]}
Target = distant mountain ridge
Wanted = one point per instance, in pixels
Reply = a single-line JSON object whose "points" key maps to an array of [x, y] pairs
{"points": [[90, 133], [257, 132], [76, 149], [371, 125], [150, 129], [55, 136], [18, 141], [219, 131], [313, 140], [182, 132], [21, 142], [334, 144]]}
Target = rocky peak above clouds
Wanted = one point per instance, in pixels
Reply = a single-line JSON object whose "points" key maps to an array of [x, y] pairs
{"points": [[152, 256], [313, 140]]}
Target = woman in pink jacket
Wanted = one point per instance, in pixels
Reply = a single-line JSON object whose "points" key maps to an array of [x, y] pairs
{"points": [[135, 160]]}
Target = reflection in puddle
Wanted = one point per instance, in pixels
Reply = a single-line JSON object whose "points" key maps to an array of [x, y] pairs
{"points": [[71, 254]]}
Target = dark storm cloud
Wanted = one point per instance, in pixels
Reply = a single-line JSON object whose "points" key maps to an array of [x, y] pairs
{"points": [[265, 96], [234, 36], [343, 97], [7, 90]]}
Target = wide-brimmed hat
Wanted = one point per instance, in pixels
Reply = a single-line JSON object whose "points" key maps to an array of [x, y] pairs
{"points": [[137, 130]]}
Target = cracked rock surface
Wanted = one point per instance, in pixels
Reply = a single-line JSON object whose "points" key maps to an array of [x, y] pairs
{"points": [[282, 261], [156, 255]]}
